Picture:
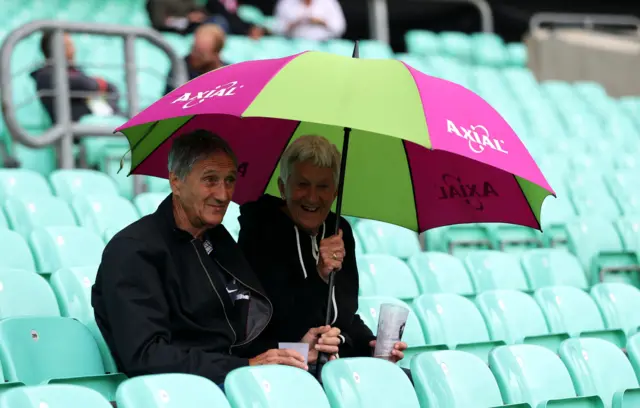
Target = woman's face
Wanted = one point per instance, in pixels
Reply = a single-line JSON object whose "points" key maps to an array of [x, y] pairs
{"points": [[309, 193]]}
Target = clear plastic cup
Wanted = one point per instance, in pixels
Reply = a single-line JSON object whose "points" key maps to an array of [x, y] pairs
{"points": [[391, 322], [302, 348]]}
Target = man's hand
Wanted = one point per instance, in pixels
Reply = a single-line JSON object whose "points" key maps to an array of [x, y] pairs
{"points": [[196, 16], [281, 357], [397, 352], [317, 21], [322, 339], [255, 32], [332, 254]]}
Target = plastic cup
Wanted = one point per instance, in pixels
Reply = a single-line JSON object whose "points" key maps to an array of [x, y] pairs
{"points": [[302, 348], [391, 322]]}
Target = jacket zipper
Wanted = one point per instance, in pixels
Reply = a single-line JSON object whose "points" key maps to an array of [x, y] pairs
{"points": [[224, 310]]}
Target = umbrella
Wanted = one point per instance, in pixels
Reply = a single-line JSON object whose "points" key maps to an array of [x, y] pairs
{"points": [[417, 151]]}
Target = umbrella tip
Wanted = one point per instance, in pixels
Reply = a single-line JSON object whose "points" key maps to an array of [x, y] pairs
{"points": [[356, 50]]}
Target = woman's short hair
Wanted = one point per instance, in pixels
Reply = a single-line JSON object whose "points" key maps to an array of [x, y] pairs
{"points": [[316, 149], [189, 148]]}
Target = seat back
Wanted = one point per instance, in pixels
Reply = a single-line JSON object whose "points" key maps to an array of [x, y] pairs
{"points": [[382, 238], [366, 382], [553, 267], [369, 311], [437, 272], [170, 391], [15, 252], [25, 294], [569, 310], [62, 348], [619, 304], [148, 203], [495, 270], [102, 212], [53, 396], [72, 287], [22, 183], [67, 183], [597, 367], [450, 319], [26, 213], [390, 276], [65, 247], [511, 315], [452, 378], [270, 387]]}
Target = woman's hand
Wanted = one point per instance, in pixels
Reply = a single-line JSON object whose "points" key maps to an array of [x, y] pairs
{"points": [[332, 254], [397, 352], [322, 339]]}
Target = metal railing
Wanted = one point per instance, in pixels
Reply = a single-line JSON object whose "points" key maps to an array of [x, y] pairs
{"points": [[64, 130], [589, 21]]}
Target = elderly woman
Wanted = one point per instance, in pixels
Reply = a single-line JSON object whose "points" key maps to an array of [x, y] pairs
{"points": [[290, 244]]}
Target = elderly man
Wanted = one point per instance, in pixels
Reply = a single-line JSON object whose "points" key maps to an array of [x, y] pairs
{"points": [[174, 293]]}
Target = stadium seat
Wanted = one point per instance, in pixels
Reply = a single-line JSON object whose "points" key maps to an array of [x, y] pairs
{"points": [[367, 383], [375, 49], [460, 240], [14, 252], [230, 220], [53, 396], [389, 275], [619, 304], [571, 310], [532, 374], [369, 309], [633, 351], [456, 44], [598, 367], [589, 203], [25, 293], [629, 229], [552, 267], [454, 379], [65, 247], [382, 238], [158, 185], [101, 212], [516, 318], [170, 391], [148, 203], [4, 224], [514, 238], [64, 350], [495, 270], [270, 387], [437, 272], [22, 182], [454, 321], [422, 42], [26, 213], [68, 183]]}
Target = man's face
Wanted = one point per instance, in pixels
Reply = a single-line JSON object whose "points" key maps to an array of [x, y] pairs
{"points": [[69, 48], [206, 191], [202, 52], [309, 192]]}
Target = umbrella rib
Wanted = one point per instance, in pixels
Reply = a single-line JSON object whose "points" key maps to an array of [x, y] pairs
{"points": [[413, 187], [275, 165]]}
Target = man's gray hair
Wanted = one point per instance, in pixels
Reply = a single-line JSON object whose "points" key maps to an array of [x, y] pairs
{"points": [[316, 149], [190, 148]]}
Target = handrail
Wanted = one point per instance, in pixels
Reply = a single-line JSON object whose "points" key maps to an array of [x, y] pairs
{"points": [[586, 20], [63, 131], [379, 20]]}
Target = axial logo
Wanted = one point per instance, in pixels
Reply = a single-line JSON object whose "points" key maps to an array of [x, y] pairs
{"points": [[472, 194], [228, 89], [478, 137]]}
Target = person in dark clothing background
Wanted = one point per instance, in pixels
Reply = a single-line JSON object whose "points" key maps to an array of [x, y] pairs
{"points": [[290, 243], [174, 294], [97, 96]]}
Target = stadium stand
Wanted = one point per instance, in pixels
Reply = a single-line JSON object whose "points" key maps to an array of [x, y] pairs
{"points": [[500, 315]]}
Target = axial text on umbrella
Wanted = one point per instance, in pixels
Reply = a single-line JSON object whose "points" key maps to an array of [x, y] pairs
{"points": [[454, 188], [228, 89], [478, 137]]}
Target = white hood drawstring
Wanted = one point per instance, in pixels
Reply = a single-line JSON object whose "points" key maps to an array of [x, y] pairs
{"points": [[316, 254]]}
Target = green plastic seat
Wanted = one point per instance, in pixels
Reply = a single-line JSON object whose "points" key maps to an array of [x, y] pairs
{"points": [[69, 183], [367, 383], [598, 367], [454, 321], [517, 54], [622, 182], [158, 185], [619, 304], [101, 212], [382, 238], [422, 42], [94, 146], [270, 387], [112, 157], [170, 391], [633, 352], [516, 318], [390, 276], [4, 224], [437, 272], [460, 240], [589, 203], [553, 267], [53, 396], [629, 203], [456, 44], [571, 310], [488, 49], [230, 220], [148, 203], [454, 379], [514, 238], [64, 349], [375, 49], [22, 182], [251, 14], [15, 252], [65, 247], [495, 270], [584, 162], [26, 213], [629, 229], [72, 288], [25, 294], [532, 374], [369, 310], [340, 46]]}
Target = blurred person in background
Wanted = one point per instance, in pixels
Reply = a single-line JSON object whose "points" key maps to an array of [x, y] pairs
{"points": [[93, 95], [310, 19], [208, 42], [185, 16]]}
